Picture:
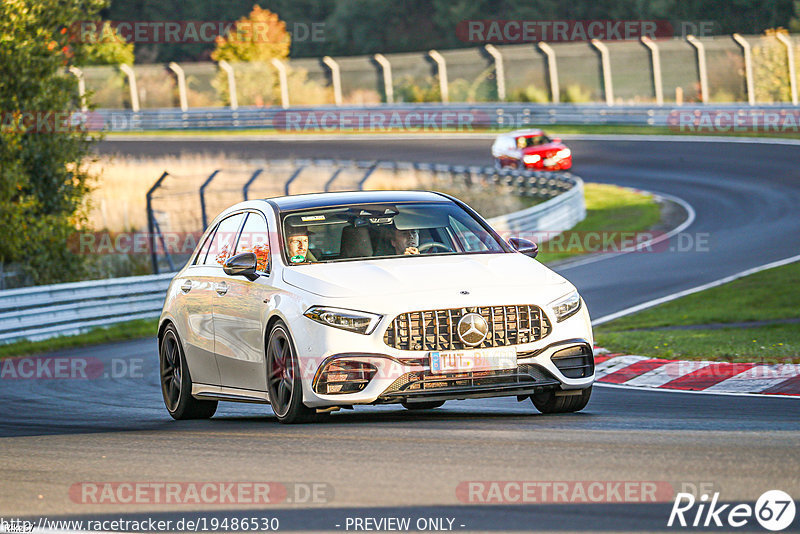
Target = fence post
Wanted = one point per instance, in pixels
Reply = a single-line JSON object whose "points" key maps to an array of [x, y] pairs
{"points": [[128, 71], [748, 67], [441, 67], [332, 178], [78, 73], [151, 221], [655, 59], [499, 70], [605, 64], [284, 81], [178, 70], [783, 38], [336, 76], [386, 67], [292, 178], [701, 66], [552, 71], [366, 176], [203, 198], [252, 179], [224, 65]]}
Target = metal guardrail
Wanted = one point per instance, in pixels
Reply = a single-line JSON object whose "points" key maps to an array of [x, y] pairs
{"points": [[404, 117], [38, 313], [42, 312]]}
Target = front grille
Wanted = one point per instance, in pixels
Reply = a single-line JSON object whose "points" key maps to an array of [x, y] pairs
{"points": [[425, 380], [437, 329]]}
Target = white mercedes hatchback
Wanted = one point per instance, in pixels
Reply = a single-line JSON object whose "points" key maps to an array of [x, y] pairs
{"points": [[317, 302]]}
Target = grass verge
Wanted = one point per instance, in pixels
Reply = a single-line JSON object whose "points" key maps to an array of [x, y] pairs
{"points": [[716, 316], [136, 329], [612, 212], [554, 129]]}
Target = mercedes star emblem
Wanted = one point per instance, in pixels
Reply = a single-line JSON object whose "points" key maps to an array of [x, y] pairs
{"points": [[472, 329]]}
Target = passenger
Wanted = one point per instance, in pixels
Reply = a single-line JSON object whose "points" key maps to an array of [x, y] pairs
{"points": [[297, 245]]}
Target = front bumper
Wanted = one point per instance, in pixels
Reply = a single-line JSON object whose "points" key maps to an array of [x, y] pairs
{"points": [[565, 364]]}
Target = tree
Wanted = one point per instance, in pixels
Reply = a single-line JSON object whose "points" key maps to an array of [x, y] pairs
{"points": [[42, 178]]}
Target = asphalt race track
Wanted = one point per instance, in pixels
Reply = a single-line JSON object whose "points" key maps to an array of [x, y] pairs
{"points": [[387, 462]]}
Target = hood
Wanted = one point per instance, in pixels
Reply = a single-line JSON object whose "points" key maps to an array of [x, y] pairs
{"points": [[546, 148], [477, 273]]}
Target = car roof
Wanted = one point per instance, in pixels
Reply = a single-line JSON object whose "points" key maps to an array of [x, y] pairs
{"points": [[321, 200], [529, 131]]}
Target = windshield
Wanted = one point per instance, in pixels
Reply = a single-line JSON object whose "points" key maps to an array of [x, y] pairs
{"points": [[382, 230], [532, 140]]}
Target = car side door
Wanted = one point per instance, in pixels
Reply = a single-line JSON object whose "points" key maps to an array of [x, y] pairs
{"points": [[194, 311], [239, 309]]}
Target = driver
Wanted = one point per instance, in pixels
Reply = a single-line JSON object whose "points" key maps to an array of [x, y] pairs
{"points": [[405, 241]]}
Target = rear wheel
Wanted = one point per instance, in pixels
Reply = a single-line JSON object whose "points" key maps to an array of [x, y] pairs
{"points": [[284, 383], [549, 402], [176, 384], [422, 405]]}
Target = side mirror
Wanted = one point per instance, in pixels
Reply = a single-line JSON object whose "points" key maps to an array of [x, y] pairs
{"points": [[557, 140], [243, 264], [523, 246]]}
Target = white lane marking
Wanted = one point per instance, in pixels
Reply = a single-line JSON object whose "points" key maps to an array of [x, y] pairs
{"points": [[612, 365], [694, 392], [691, 215], [666, 373], [697, 289]]}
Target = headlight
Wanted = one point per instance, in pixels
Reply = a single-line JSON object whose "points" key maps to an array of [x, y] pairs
{"points": [[564, 153], [530, 159], [350, 320], [566, 306]]}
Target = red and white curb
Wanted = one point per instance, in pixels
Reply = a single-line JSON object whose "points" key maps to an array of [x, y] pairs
{"points": [[710, 377]]}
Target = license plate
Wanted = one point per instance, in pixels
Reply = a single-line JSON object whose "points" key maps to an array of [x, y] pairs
{"points": [[455, 361], [549, 162]]}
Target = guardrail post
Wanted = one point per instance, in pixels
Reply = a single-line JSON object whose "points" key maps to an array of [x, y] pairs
{"points": [[605, 64], [655, 61], [78, 73], [252, 179], [178, 70], [783, 38], [283, 78], [441, 67], [203, 198], [336, 76], [151, 221], [128, 71], [499, 70], [552, 71], [224, 65], [386, 67], [701, 66]]}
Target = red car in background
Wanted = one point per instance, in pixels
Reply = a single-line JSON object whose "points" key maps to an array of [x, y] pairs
{"points": [[531, 149]]}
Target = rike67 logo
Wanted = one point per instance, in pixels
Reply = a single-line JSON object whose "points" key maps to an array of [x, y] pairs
{"points": [[774, 510]]}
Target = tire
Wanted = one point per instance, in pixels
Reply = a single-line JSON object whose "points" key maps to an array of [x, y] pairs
{"points": [[422, 405], [284, 383], [176, 383], [548, 402]]}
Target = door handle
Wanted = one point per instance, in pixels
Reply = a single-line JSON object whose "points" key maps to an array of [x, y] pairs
{"points": [[221, 288], [187, 286]]}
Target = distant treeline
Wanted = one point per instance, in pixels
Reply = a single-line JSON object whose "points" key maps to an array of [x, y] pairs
{"points": [[352, 27]]}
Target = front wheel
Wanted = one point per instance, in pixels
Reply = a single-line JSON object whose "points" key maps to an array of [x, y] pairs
{"points": [[548, 402], [176, 384], [284, 383]]}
